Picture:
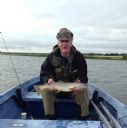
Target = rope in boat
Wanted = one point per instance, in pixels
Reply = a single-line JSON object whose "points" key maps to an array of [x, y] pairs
{"points": [[15, 71]]}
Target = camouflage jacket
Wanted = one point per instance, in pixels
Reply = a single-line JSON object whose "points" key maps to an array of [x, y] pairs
{"points": [[66, 69]]}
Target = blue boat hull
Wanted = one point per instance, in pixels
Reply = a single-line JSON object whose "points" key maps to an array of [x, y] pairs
{"points": [[23, 98]]}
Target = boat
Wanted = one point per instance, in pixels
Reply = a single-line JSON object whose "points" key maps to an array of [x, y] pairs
{"points": [[21, 107]]}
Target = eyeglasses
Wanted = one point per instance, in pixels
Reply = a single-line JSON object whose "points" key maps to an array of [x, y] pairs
{"points": [[64, 41]]}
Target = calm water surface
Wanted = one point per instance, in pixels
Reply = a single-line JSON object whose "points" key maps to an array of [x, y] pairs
{"points": [[110, 75]]}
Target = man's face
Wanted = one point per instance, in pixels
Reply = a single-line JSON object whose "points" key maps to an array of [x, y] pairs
{"points": [[64, 45]]}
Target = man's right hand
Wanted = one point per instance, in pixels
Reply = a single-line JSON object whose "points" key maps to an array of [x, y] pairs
{"points": [[50, 81]]}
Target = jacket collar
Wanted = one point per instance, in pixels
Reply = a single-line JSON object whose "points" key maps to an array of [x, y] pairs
{"points": [[56, 50]]}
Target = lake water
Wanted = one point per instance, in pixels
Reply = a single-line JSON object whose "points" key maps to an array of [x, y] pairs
{"points": [[110, 75]]}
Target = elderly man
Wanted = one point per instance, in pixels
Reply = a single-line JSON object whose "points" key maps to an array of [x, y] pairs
{"points": [[67, 64]]}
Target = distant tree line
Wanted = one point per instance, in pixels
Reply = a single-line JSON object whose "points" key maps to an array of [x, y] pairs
{"points": [[24, 54], [110, 56], [106, 54]]}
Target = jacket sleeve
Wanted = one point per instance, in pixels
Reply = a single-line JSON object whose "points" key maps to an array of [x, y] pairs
{"points": [[82, 69], [46, 70]]}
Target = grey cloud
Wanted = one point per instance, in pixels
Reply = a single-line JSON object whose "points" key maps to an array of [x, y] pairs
{"points": [[100, 24], [42, 16], [105, 45]]}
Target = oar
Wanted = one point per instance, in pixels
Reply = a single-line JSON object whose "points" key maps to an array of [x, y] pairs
{"points": [[111, 117], [102, 117]]}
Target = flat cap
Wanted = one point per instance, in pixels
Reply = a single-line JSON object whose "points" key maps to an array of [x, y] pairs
{"points": [[64, 32]]}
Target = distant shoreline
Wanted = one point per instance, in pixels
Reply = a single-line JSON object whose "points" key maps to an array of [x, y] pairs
{"points": [[24, 54], [107, 57], [87, 56]]}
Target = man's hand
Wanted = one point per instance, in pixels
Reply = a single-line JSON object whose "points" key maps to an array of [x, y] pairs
{"points": [[78, 87], [77, 80], [51, 83]]}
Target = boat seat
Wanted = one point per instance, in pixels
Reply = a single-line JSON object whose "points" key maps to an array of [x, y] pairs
{"points": [[9, 123], [64, 107]]}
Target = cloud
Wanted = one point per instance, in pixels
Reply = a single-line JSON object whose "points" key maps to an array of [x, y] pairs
{"points": [[97, 25]]}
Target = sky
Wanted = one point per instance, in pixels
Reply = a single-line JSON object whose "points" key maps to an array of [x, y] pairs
{"points": [[99, 26]]}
